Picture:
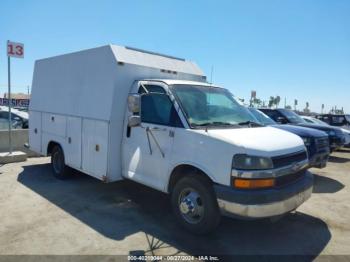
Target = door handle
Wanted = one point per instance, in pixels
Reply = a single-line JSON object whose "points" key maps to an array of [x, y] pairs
{"points": [[155, 128]]}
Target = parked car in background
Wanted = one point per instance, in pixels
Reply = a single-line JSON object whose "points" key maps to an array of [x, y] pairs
{"points": [[313, 120], [342, 121], [286, 116], [20, 117], [316, 141], [4, 124], [22, 109]]}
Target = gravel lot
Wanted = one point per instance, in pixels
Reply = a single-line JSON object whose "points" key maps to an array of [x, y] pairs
{"points": [[42, 215]]}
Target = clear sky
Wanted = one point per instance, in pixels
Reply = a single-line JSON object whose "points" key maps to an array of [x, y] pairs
{"points": [[294, 48]]}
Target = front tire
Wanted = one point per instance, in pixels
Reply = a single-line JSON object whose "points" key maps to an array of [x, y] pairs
{"points": [[58, 165], [194, 204]]}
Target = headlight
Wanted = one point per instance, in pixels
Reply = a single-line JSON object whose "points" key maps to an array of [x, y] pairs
{"points": [[331, 133], [307, 141], [242, 161], [340, 132]]}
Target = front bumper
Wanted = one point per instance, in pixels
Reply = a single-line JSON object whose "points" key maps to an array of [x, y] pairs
{"points": [[336, 142], [264, 202], [319, 160]]}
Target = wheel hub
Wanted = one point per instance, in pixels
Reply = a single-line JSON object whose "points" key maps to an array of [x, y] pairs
{"points": [[187, 206], [191, 206]]}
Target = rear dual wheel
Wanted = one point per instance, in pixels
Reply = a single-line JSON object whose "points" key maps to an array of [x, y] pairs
{"points": [[58, 165]]}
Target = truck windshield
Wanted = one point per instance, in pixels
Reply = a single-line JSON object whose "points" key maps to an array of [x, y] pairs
{"points": [[318, 121], [292, 117], [261, 117], [211, 106], [347, 118]]}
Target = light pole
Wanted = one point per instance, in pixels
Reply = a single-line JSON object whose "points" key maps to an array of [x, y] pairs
{"points": [[9, 99]]}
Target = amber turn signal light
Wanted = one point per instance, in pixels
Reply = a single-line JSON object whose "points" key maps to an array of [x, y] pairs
{"points": [[253, 183]]}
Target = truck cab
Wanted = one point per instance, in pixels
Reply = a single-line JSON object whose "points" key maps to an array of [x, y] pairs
{"points": [[194, 141]]}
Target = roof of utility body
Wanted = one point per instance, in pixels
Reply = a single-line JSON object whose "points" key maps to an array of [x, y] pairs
{"points": [[141, 57], [145, 58], [181, 82]]}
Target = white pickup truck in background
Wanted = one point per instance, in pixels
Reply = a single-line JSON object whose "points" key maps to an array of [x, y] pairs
{"points": [[117, 113]]}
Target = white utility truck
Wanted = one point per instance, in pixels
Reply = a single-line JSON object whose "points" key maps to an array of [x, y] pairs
{"points": [[117, 113]]}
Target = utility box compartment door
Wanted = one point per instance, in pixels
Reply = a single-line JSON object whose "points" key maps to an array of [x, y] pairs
{"points": [[35, 131], [54, 124], [95, 147], [73, 142]]}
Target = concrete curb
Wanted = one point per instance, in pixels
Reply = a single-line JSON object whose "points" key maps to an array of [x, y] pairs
{"points": [[17, 156]]}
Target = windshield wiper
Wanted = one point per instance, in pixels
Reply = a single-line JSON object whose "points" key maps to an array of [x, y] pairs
{"points": [[215, 123], [249, 123]]}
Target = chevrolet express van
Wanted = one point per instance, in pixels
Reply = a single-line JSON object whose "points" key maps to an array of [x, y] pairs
{"points": [[118, 113]]}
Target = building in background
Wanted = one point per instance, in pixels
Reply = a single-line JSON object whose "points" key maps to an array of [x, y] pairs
{"points": [[19, 100], [17, 96]]}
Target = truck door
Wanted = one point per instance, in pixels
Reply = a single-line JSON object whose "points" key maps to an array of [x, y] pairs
{"points": [[147, 148]]}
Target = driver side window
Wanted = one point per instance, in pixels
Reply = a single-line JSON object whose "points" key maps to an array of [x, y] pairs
{"points": [[157, 108]]}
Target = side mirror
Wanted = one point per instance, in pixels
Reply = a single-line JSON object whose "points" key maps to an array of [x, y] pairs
{"points": [[134, 103], [134, 121], [281, 120]]}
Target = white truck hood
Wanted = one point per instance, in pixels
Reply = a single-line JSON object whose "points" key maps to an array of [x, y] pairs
{"points": [[262, 141]]}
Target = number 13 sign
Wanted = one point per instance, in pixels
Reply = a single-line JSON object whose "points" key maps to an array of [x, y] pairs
{"points": [[15, 49]]}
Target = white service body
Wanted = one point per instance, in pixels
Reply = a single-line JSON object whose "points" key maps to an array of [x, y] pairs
{"points": [[81, 98]]}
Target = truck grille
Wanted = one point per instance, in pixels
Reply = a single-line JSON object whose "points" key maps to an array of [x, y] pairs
{"points": [[285, 160], [322, 144], [288, 179]]}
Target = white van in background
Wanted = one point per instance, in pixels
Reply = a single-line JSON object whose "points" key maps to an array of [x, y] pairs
{"points": [[122, 113]]}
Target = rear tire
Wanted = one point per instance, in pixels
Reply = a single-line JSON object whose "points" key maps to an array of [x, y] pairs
{"points": [[58, 165], [195, 206]]}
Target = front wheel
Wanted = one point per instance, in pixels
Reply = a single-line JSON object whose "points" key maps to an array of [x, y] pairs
{"points": [[59, 168], [195, 205]]}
